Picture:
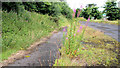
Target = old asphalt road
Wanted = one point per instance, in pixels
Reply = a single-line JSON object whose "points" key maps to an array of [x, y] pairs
{"points": [[108, 29], [44, 55]]}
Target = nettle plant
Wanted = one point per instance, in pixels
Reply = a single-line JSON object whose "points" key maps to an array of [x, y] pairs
{"points": [[73, 35]]}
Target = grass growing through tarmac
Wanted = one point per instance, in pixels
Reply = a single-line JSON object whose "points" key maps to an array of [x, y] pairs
{"points": [[20, 31], [116, 22], [108, 22], [97, 49]]}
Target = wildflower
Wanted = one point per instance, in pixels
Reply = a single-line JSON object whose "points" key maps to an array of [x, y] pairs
{"points": [[64, 29], [81, 6], [78, 13], [78, 30], [89, 18], [75, 51], [87, 21], [80, 27], [74, 10], [67, 38], [74, 34], [66, 33]]}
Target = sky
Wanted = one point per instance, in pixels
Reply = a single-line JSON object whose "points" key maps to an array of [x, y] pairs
{"points": [[77, 3]]}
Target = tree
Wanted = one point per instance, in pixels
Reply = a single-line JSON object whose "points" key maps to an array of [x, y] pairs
{"points": [[91, 5], [66, 10], [77, 10], [111, 10], [92, 11], [51, 8], [86, 13], [13, 6], [96, 13]]}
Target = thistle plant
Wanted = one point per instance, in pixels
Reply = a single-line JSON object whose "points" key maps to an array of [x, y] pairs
{"points": [[72, 39]]}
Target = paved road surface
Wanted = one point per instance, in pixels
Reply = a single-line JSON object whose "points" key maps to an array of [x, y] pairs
{"points": [[108, 29], [42, 53]]}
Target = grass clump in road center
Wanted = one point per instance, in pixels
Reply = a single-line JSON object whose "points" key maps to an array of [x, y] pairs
{"points": [[20, 31]]}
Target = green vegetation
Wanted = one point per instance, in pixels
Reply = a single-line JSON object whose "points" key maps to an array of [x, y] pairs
{"points": [[115, 22], [85, 46], [73, 36], [96, 49], [25, 22], [50, 8], [103, 21], [18, 32], [90, 10], [111, 10]]}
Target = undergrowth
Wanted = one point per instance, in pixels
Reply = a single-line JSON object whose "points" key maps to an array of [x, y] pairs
{"points": [[19, 31]]}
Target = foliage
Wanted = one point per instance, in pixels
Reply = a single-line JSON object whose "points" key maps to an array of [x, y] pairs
{"points": [[50, 8], [73, 36], [66, 10], [77, 12], [96, 49], [13, 6], [79, 51], [85, 13], [95, 13], [55, 9], [19, 32], [111, 10], [92, 11], [91, 5], [23, 23]]}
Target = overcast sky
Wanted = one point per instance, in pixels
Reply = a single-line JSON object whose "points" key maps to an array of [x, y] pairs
{"points": [[76, 3]]}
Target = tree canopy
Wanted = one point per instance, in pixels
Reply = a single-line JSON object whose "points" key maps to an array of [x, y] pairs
{"points": [[111, 10], [50, 8], [90, 10]]}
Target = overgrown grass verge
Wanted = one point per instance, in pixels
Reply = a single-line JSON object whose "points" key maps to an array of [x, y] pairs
{"points": [[108, 22], [96, 49], [116, 22], [20, 31]]}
